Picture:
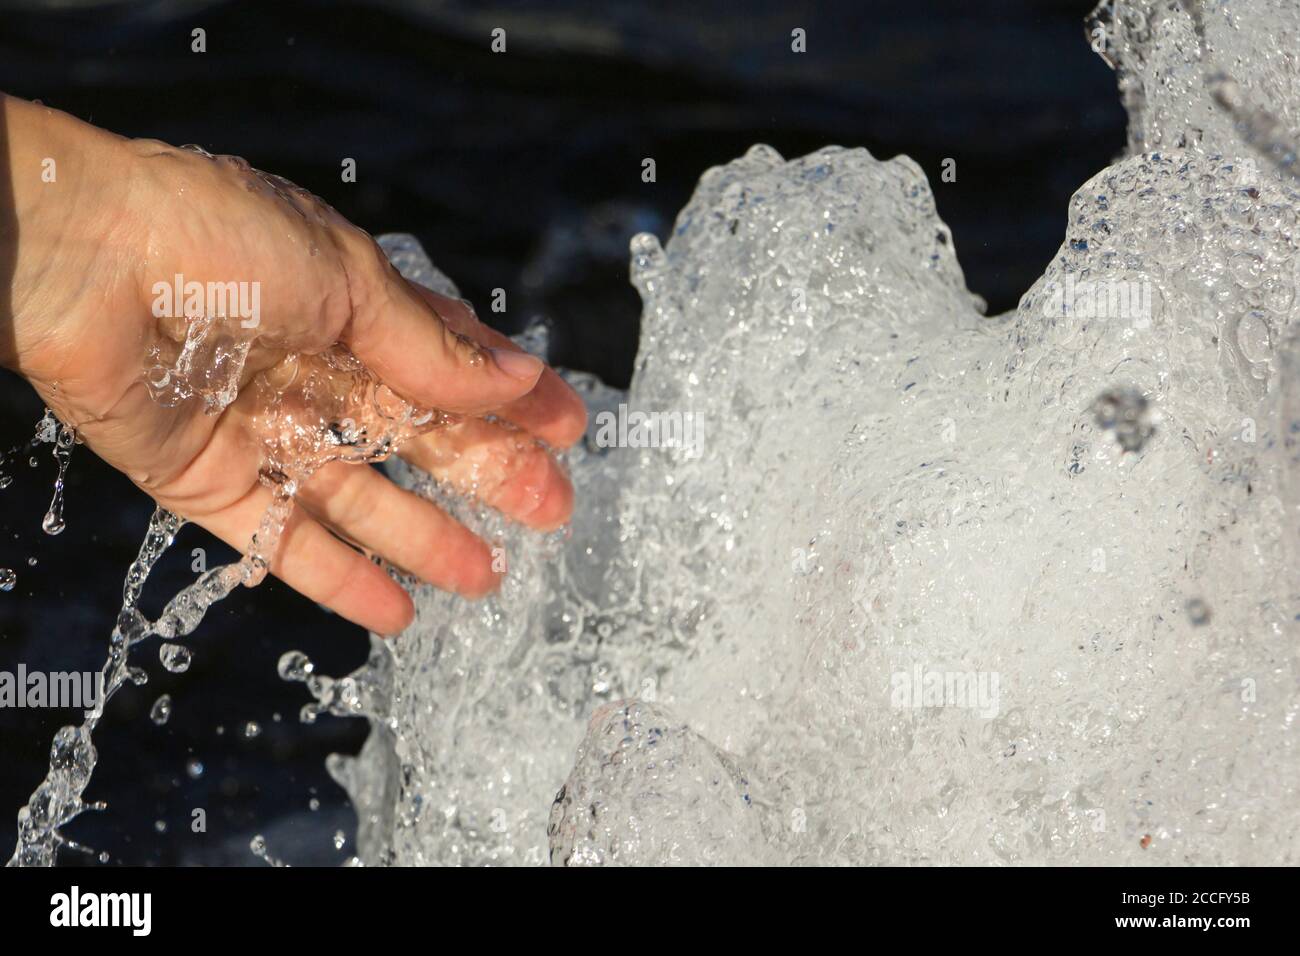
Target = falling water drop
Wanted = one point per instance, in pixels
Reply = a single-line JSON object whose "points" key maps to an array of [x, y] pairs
{"points": [[161, 711], [294, 666], [63, 445], [258, 846], [175, 657]]}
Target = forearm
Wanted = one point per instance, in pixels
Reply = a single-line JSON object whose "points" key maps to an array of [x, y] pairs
{"points": [[55, 172]]}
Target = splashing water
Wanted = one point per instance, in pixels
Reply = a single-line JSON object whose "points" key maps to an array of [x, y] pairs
{"points": [[310, 410], [49, 430], [176, 658], [64, 442], [208, 366], [939, 588]]}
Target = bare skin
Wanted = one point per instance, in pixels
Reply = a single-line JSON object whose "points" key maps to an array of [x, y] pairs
{"points": [[79, 257]]}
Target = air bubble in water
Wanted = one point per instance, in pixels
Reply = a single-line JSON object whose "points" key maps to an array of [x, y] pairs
{"points": [[1124, 412]]}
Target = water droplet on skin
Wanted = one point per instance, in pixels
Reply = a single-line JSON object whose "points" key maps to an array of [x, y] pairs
{"points": [[158, 376], [161, 711]]}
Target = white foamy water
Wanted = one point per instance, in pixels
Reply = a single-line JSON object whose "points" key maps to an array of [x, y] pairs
{"points": [[939, 587]]}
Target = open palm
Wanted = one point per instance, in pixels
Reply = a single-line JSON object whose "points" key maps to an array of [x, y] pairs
{"points": [[85, 343]]}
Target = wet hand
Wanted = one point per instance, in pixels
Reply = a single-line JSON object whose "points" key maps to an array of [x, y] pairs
{"points": [[91, 251]]}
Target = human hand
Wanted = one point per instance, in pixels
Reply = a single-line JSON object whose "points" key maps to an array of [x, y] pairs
{"points": [[86, 253]]}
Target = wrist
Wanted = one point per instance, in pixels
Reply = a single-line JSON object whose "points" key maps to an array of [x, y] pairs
{"points": [[67, 182]]}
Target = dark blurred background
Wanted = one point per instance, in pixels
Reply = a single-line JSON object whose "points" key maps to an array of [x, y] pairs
{"points": [[518, 170]]}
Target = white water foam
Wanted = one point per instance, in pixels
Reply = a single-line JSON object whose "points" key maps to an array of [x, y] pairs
{"points": [[940, 588]]}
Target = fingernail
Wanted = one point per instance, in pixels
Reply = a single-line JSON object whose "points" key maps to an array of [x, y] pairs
{"points": [[518, 365]]}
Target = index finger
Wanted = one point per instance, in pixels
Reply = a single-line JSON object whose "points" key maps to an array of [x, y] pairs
{"points": [[402, 339]]}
